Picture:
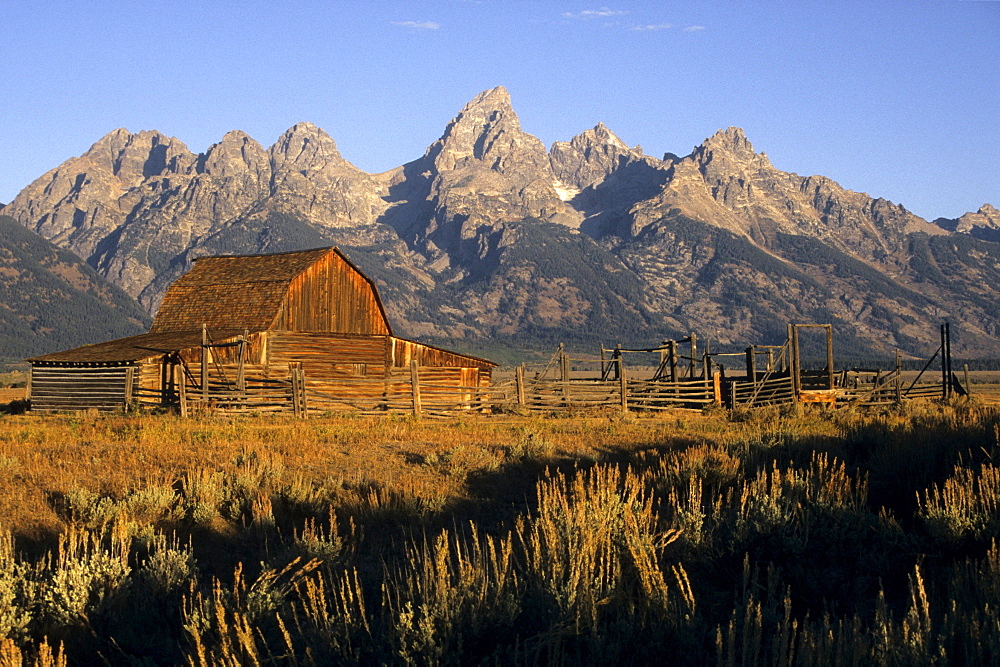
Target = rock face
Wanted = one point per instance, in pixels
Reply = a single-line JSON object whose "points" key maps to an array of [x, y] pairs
{"points": [[983, 224], [489, 237]]}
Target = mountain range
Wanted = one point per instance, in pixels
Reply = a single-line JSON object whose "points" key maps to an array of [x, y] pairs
{"points": [[490, 241]]}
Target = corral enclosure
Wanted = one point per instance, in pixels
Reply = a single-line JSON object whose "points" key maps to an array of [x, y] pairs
{"points": [[307, 332]]}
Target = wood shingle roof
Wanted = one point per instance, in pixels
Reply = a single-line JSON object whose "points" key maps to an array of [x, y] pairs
{"points": [[239, 292], [133, 348]]}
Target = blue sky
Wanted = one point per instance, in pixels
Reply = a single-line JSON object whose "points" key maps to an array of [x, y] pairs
{"points": [[897, 99]]}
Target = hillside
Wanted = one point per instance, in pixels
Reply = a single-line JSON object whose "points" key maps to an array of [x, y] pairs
{"points": [[50, 299]]}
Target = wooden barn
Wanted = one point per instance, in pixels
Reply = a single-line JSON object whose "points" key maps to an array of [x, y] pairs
{"points": [[283, 331]]}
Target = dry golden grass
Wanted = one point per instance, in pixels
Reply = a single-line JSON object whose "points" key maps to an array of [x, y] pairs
{"points": [[764, 537], [42, 458]]}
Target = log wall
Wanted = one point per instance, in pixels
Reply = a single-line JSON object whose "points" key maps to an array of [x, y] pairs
{"points": [[103, 388]]}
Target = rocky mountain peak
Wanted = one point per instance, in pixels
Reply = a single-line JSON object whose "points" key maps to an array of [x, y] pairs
{"points": [[592, 156], [304, 147], [236, 154], [983, 224], [488, 131], [730, 145], [134, 157]]}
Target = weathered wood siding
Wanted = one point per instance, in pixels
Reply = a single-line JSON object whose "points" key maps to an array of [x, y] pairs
{"points": [[401, 352], [331, 295], [75, 388], [327, 356]]}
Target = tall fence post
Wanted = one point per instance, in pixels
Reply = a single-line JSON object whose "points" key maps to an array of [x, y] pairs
{"points": [[623, 385], [415, 388], [694, 356], [899, 378], [180, 381], [672, 353], [717, 389], [204, 363], [564, 373], [519, 381], [303, 406], [951, 370], [944, 366], [293, 371], [796, 361]]}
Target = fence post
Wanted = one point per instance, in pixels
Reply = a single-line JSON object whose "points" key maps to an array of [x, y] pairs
{"points": [[415, 387], [796, 362], [129, 386], [519, 381], [899, 378], [672, 353], [564, 373], [944, 367], [694, 356], [181, 385], [717, 389], [951, 370], [623, 385], [293, 371], [303, 407], [204, 363], [829, 355]]}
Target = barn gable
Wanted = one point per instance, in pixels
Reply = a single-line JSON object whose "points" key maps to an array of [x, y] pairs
{"points": [[313, 290]]}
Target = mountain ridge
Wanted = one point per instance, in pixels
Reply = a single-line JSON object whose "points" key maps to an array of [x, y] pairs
{"points": [[462, 245]]}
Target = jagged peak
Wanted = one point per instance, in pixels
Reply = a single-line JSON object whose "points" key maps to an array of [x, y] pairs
{"points": [[304, 142], [601, 135], [486, 129], [988, 209], [306, 131], [493, 98], [731, 139], [236, 148], [236, 136], [120, 139]]}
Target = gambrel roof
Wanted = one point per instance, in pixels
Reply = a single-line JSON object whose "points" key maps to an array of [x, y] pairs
{"points": [[310, 290]]}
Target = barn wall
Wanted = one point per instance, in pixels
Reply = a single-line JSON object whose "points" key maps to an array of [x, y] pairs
{"points": [[331, 295], [402, 351], [329, 356], [80, 388]]}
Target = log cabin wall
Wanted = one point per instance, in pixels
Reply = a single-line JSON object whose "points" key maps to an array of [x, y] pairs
{"points": [[62, 387], [331, 295]]}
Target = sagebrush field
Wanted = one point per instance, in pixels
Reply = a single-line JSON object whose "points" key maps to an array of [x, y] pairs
{"points": [[766, 537]]}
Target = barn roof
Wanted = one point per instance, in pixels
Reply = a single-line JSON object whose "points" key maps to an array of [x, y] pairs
{"points": [[239, 291], [133, 348]]}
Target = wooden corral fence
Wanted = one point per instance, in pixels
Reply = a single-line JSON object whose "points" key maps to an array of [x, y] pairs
{"points": [[680, 376], [568, 383], [285, 388]]}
